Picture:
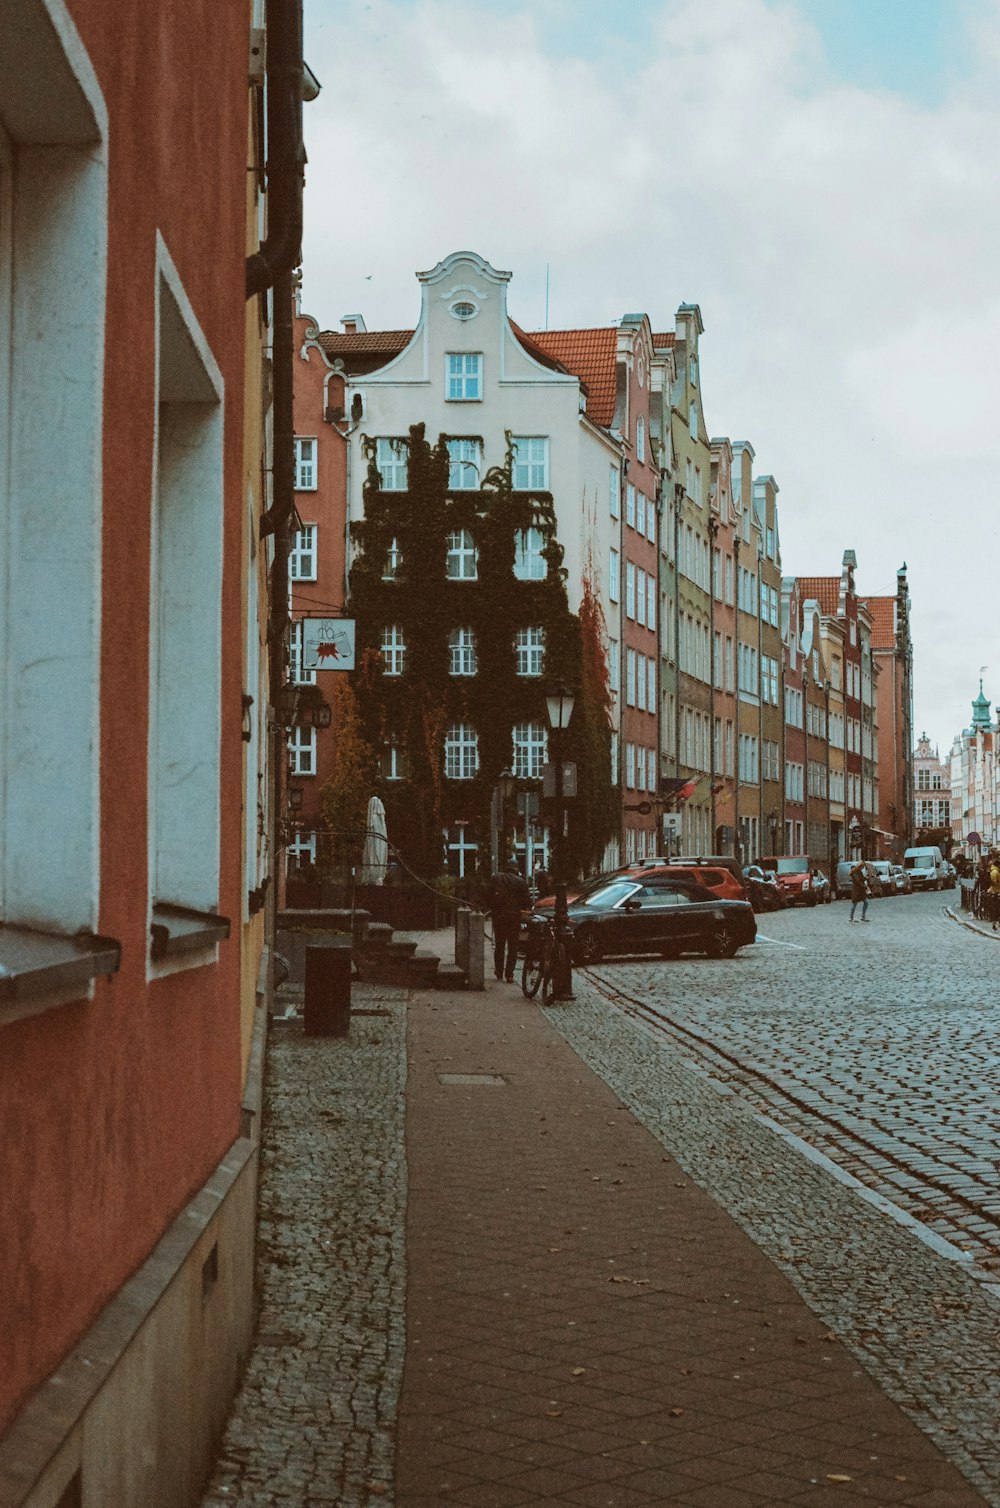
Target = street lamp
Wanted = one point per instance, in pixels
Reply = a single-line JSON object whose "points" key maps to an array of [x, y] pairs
{"points": [[559, 705]]}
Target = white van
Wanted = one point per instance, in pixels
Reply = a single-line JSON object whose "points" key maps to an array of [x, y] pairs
{"points": [[926, 867]]}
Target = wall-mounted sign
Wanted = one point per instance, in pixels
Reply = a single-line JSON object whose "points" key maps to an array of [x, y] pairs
{"points": [[327, 643], [672, 824]]}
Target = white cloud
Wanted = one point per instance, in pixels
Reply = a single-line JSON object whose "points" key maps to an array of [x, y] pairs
{"points": [[843, 245]]}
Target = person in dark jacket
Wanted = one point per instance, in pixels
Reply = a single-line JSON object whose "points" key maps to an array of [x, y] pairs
{"points": [[859, 891], [510, 896]]}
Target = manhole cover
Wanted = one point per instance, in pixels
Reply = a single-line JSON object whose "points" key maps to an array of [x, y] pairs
{"points": [[472, 1078]]}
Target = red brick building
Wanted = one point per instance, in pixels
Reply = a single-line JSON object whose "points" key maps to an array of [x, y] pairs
{"points": [[134, 857]]}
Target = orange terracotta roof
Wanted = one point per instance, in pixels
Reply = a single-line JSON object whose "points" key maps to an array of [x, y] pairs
{"points": [[822, 589], [883, 616], [364, 342], [532, 347], [662, 340], [592, 355]]}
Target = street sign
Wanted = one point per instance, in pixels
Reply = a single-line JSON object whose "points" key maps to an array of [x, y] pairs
{"points": [[327, 643], [672, 824], [568, 777]]}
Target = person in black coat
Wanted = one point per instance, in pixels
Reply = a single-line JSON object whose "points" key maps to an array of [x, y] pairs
{"points": [[510, 896]]}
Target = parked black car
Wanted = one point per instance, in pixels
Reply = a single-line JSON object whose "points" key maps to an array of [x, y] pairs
{"points": [[657, 915], [763, 889]]}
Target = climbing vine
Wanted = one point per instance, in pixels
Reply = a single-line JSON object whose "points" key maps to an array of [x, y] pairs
{"points": [[413, 710]]}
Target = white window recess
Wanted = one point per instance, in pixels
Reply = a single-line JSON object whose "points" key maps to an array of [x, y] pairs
{"points": [[185, 660], [53, 276]]}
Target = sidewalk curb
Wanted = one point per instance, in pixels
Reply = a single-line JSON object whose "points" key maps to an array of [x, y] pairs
{"points": [[971, 926]]}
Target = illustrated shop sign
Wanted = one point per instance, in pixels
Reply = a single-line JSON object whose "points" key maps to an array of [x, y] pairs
{"points": [[327, 643]]}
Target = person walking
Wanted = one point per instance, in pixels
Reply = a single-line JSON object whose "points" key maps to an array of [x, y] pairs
{"points": [[993, 894], [510, 896], [859, 891], [542, 879]]}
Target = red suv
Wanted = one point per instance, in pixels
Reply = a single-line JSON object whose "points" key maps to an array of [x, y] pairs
{"points": [[795, 878]]}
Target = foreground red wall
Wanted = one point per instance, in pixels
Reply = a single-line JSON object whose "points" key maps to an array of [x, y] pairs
{"points": [[113, 1112]]}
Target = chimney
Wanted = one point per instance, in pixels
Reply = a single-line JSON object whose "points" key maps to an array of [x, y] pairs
{"points": [[354, 324]]}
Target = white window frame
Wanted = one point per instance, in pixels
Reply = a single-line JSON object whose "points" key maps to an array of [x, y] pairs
{"points": [[529, 649], [651, 684], [306, 468], [640, 596], [651, 603], [392, 458], [530, 468], [465, 464], [393, 650], [461, 752], [462, 652], [530, 746], [463, 554], [529, 557], [614, 492], [302, 751], [640, 440], [614, 576], [393, 762], [463, 376], [640, 512], [393, 560], [302, 557], [296, 674], [629, 677], [630, 589]]}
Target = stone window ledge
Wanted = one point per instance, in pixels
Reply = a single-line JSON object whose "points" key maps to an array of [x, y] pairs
{"points": [[40, 968], [181, 929]]}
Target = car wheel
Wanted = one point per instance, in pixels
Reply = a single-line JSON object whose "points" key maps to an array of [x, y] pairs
{"points": [[723, 944], [813, 898], [588, 949]]}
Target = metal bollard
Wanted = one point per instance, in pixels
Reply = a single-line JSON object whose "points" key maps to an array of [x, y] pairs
{"points": [[475, 972], [327, 1009], [462, 940]]}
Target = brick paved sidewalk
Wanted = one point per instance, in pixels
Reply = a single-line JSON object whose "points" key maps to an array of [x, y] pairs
{"points": [[585, 1325]]}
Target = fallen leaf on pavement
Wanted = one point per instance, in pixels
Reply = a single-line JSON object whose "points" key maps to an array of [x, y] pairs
{"points": [[676, 1413], [836, 1476], [579, 1371]]}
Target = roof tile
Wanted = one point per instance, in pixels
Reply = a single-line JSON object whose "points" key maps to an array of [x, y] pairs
{"points": [[883, 616], [822, 589], [364, 342], [592, 355]]}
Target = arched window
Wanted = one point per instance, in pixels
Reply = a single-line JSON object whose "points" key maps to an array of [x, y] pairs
{"points": [[462, 563], [530, 749], [462, 652], [461, 752], [529, 562], [393, 649]]}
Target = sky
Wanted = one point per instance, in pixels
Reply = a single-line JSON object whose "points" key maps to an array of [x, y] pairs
{"points": [[820, 176]]}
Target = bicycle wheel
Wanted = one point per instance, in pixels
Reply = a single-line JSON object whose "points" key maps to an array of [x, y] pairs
{"points": [[556, 968], [531, 971]]}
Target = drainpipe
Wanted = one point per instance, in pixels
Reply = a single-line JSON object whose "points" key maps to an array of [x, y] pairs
{"points": [[270, 266]]}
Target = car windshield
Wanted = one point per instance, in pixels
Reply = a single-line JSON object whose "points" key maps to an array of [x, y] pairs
{"points": [[611, 894], [918, 861], [793, 866]]}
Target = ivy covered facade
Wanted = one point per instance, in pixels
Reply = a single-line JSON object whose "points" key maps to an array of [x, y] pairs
{"points": [[459, 592]]}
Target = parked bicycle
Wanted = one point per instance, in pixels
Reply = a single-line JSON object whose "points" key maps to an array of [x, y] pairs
{"points": [[546, 959]]}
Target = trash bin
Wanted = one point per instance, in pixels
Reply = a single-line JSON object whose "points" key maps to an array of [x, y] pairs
{"points": [[327, 1008]]}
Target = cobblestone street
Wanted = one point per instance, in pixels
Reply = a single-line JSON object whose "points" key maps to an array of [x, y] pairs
{"points": [[877, 1044], [773, 1085]]}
